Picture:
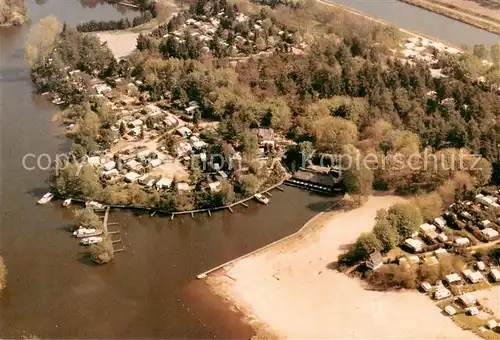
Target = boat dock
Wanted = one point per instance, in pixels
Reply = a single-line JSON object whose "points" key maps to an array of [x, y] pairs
{"points": [[322, 180], [152, 211]]}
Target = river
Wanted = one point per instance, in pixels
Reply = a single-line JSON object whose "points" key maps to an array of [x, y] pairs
{"points": [[149, 291], [419, 20]]}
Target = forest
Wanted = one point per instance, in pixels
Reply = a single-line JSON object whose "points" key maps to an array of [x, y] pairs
{"points": [[13, 12], [348, 93]]}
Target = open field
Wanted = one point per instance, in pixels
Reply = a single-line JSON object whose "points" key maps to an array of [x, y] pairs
{"points": [[490, 11], [455, 10], [490, 298], [121, 43], [293, 290]]}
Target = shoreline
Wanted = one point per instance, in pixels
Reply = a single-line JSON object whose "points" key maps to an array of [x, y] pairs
{"points": [[293, 290], [123, 42], [464, 16], [385, 23], [154, 211], [290, 237]]}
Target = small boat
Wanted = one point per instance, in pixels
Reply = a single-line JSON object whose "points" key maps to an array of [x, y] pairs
{"points": [[66, 202], [45, 198], [86, 241], [58, 101], [94, 205], [84, 232], [261, 198]]}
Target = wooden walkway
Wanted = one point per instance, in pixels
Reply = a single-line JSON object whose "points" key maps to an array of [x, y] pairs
{"points": [[209, 211]]}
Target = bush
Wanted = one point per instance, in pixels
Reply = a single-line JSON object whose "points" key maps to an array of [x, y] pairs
{"points": [[405, 218], [102, 253], [393, 276], [87, 218]]}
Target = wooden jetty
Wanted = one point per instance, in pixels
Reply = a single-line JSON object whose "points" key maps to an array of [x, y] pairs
{"points": [[105, 222], [153, 211]]}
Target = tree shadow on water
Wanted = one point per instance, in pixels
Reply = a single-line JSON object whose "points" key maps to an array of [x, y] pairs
{"points": [[84, 258], [37, 192], [319, 206]]}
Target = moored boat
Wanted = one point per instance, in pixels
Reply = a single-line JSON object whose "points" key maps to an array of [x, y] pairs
{"points": [[46, 198], [87, 232], [91, 240], [66, 202], [261, 198], [94, 205]]}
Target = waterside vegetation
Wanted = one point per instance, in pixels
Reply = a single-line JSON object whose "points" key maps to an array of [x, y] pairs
{"points": [[221, 77]]}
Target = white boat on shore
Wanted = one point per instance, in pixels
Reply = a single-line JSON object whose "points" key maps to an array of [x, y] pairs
{"points": [[261, 198], [58, 101], [94, 205], [46, 198], [87, 232], [86, 241], [66, 202]]}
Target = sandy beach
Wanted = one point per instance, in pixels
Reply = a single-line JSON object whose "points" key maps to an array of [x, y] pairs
{"points": [[490, 298], [122, 43], [292, 290]]}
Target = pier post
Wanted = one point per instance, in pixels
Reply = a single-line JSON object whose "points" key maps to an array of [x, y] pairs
{"points": [[209, 213], [172, 217]]}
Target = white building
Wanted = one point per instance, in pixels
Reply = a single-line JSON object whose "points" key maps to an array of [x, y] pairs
{"points": [[472, 311], [109, 165], [184, 131], [440, 222], [214, 186], [132, 177], [441, 293], [487, 200], [495, 274], [450, 310], [489, 233], [155, 162], [452, 278], [426, 286], [442, 237], [440, 252], [415, 245], [462, 241], [163, 183]]}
